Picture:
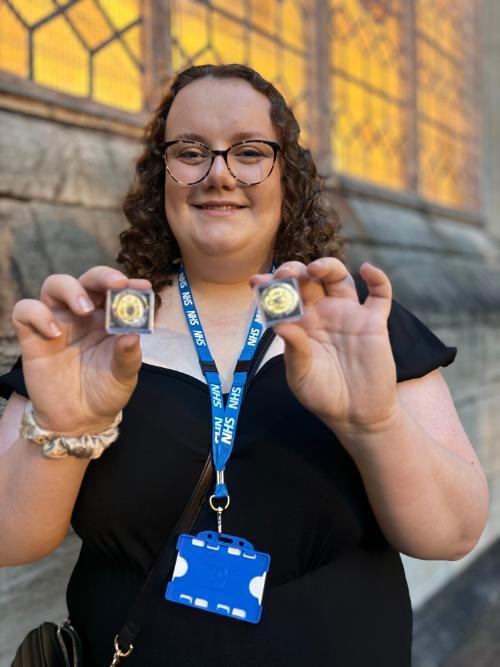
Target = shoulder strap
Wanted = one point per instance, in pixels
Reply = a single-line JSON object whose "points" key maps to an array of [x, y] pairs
{"points": [[154, 584]]}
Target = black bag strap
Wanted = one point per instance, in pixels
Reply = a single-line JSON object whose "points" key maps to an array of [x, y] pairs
{"points": [[154, 584]]}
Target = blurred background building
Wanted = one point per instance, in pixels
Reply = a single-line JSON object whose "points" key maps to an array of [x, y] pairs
{"points": [[398, 101]]}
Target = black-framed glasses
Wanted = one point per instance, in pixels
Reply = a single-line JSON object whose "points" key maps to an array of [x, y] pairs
{"points": [[250, 162]]}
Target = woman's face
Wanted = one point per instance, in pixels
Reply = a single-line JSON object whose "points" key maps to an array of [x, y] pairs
{"points": [[219, 113]]}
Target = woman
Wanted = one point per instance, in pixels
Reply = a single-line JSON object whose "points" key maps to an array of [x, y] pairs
{"points": [[356, 455]]}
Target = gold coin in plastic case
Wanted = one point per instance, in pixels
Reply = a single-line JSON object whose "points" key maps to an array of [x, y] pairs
{"points": [[280, 300], [129, 310]]}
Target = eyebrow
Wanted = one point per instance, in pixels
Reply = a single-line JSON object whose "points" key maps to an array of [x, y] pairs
{"points": [[238, 136]]}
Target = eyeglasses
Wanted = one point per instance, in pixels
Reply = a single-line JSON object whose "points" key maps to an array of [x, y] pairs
{"points": [[249, 162]]}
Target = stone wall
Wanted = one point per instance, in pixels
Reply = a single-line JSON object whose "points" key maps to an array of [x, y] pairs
{"points": [[448, 274], [61, 189], [60, 194]]}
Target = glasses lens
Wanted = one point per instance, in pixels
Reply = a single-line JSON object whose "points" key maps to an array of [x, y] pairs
{"points": [[187, 162], [251, 162]]}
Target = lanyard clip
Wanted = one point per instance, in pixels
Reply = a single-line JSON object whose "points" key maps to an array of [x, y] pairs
{"points": [[219, 503]]}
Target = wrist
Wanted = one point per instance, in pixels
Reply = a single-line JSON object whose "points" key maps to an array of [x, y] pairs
{"points": [[68, 427], [360, 430]]}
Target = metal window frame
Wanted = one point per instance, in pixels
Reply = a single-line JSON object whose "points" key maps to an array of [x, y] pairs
{"points": [[29, 97]]}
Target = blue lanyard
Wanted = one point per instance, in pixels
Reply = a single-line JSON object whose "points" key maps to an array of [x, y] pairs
{"points": [[224, 420]]}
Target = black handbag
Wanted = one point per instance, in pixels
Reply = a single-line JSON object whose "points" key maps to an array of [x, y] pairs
{"points": [[51, 645]]}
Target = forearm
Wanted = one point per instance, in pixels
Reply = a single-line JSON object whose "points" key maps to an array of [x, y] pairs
{"points": [[37, 496], [429, 502]]}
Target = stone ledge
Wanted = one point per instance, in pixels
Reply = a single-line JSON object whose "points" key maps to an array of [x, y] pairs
{"points": [[436, 265], [41, 159]]}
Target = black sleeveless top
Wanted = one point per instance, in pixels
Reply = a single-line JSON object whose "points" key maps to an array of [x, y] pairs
{"points": [[336, 593]]}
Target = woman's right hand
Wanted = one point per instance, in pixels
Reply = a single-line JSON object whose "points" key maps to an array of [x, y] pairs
{"points": [[77, 375]]}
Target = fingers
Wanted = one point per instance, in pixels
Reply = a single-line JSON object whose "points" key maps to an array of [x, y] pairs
{"points": [[60, 290], [329, 276], [298, 354], [334, 276], [83, 295], [310, 288], [31, 316], [98, 279], [379, 288], [127, 357]]}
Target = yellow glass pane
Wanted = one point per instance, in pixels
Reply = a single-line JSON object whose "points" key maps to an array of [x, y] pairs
{"points": [[90, 22], [366, 63], [342, 23], [379, 167], [121, 12], [293, 74], [446, 99], [60, 61], [133, 38], [263, 56], [264, 15], [117, 80], [189, 26], [301, 110], [13, 44], [228, 38], [351, 59], [235, 7], [207, 57], [33, 10], [292, 24], [446, 175], [178, 59]]}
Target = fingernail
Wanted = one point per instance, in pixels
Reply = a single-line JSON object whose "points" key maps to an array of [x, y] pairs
{"points": [[55, 330], [85, 304], [132, 344]]}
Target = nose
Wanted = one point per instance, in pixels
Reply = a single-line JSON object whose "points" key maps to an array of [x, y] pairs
{"points": [[219, 174]]}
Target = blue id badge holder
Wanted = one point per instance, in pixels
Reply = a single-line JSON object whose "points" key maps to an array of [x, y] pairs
{"points": [[219, 573]]}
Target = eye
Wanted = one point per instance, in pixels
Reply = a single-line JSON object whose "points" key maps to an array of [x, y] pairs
{"points": [[252, 152], [248, 153], [191, 154]]}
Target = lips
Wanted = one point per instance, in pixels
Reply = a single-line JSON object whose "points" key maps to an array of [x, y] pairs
{"points": [[219, 208], [219, 205]]}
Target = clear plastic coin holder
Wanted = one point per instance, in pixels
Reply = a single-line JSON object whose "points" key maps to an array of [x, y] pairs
{"points": [[129, 310], [279, 300]]}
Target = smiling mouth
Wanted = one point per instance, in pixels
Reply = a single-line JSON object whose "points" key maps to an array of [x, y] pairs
{"points": [[214, 207]]}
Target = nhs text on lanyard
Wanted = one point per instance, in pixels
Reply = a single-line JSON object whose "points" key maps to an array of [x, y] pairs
{"points": [[219, 572]]}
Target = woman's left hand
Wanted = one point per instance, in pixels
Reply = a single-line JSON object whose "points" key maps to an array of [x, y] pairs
{"points": [[339, 362]]}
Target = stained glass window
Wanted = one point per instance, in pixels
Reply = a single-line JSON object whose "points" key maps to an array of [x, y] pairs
{"points": [[404, 93], [448, 100], [269, 35], [367, 90], [89, 48], [385, 90]]}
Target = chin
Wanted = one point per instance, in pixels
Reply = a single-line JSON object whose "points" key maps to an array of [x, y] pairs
{"points": [[221, 242], [221, 248]]}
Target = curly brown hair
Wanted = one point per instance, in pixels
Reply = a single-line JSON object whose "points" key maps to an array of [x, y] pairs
{"points": [[309, 226]]}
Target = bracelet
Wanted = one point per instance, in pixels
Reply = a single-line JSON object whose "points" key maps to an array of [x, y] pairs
{"points": [[55, 446]]}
